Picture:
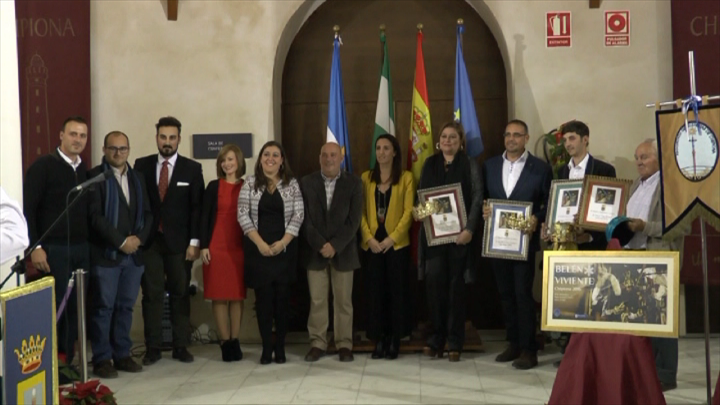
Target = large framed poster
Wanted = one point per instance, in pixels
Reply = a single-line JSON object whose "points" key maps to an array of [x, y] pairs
{"points": [[632, 292]]}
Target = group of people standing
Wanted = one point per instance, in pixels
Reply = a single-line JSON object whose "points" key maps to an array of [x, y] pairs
{"points": [[143, 226]]}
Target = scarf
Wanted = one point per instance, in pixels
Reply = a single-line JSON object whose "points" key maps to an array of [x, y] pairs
{"points": [[112, 203]]}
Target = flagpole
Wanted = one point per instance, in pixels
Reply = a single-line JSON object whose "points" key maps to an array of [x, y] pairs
{"points": [[382, 48], [703, 235], [460, 23]]}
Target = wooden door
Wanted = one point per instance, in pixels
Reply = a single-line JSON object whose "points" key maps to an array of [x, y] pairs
{"points": [[306, 86]]}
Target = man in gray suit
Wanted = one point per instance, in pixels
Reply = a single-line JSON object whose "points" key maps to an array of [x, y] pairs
{"points": [[645, 212], [333, 211]]}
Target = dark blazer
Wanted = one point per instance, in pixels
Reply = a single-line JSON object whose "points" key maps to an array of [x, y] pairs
{"points": [[103, 234], [595, 167], [339, 225], [533, 186], [180, 211], [209, 213]]}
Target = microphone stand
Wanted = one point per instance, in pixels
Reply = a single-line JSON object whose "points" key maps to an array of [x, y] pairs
{"points": [[19, 267]]}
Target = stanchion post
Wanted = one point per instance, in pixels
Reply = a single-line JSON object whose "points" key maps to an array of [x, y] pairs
{"points": [[82, 328]]}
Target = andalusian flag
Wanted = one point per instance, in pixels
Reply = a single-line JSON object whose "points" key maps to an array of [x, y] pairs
{"points": [[385, 113], [421, 141], [337, 129]]}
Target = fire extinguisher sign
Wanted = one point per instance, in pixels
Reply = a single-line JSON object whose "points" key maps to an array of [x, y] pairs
{"points": [[558, 31]]}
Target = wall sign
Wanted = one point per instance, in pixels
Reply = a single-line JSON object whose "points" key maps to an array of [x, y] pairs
{"points": [[557, 29], [207, 146], [617, 28]]}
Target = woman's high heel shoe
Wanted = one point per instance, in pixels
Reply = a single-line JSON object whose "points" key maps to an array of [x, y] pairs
{"points": [[236, 352], [280, 355], [226, 349], [393, 349], [379, 351]]}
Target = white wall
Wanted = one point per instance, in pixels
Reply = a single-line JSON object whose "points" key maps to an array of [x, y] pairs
{"points": [[219, 69], [10, 150]]}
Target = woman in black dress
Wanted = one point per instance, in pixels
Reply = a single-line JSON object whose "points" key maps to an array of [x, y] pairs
{"points": [[270, 212]]}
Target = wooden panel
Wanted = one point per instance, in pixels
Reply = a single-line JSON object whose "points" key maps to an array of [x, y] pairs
{"points": [[595, 3], [172, 10], [306, 86]]}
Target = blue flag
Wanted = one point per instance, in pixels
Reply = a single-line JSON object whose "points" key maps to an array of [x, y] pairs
{"points": [[464, 105], [337, 129]]}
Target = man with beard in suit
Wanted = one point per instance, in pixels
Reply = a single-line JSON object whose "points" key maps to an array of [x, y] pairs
{"points": [[175, 186]]}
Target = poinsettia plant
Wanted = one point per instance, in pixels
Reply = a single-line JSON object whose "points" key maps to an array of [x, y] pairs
{"points": [[91, 392], [555, 152]]}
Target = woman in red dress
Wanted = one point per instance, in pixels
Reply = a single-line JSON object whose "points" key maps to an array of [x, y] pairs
{"points": [[221, 241]]}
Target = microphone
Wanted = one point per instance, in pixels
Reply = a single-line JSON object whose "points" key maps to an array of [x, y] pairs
{"points": [[97, 179]]}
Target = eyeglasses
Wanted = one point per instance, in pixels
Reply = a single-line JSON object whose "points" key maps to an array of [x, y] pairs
{"points": [[114, 149]]}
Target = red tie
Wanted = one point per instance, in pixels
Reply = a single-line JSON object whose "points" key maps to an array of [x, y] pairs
{"points": [[163, 186], [163, 183]]}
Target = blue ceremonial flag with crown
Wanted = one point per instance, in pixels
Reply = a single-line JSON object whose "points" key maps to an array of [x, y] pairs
{"points": [[29, 344], [464, 109], [337, 129]]}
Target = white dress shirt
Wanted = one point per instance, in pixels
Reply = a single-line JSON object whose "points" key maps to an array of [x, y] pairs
{"points": [[578, 172], [171, 165], [74, 164], [13, 228], [639, 207], [511, 172], [330, 187], [122, 178]]}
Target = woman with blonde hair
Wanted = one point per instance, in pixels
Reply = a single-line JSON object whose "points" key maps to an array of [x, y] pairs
{"points": [[221, 243]]}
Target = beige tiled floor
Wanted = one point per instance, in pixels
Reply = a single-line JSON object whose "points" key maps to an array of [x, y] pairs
{"points": [[476, 379]]}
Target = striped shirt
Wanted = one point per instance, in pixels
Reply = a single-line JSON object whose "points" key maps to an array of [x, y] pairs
{"points": [[249, 199], [329, 187]]}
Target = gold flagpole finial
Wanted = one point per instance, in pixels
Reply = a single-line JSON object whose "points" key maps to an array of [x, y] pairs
{"points": [[460, 21], [382, 27], [336, 28], [420, 27]]}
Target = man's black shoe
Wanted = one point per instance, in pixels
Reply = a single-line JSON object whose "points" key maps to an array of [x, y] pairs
{"points": [[105, 369], [152, 356], [182, 354]]}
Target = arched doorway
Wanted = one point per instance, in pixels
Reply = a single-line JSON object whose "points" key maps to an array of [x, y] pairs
{"points": [[306, 78]]}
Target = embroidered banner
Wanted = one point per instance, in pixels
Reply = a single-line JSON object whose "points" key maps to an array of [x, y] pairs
{"points": [[54, 71], [688, 155]]}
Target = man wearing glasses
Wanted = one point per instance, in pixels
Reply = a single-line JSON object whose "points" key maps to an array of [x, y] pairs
{"points": [[121, 219]]}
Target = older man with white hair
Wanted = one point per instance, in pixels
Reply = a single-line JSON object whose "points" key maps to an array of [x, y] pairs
{"points": [[644, 209]]}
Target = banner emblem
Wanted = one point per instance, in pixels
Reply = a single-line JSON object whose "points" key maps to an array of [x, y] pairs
{"points": [[696, 152]]}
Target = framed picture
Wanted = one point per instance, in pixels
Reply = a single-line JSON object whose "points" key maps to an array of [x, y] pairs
{"points": [[632, 292], [445, 225], [30, 370], [502, 238], [564, 204], [603, 198]]}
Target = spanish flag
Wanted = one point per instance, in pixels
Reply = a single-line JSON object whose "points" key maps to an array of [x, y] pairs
{"points": [[421, 140]]}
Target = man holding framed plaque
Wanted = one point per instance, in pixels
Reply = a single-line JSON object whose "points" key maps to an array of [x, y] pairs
{"points": [[576, 138], [518, 176]]}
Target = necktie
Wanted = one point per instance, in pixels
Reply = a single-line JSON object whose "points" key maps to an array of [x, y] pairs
{"points": [[163, 183], [163, 186]]}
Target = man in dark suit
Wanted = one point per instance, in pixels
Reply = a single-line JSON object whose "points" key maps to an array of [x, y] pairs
{"points": [[576, 137], [175, 187], [517, 175], [121, 219], [47, 183], [333, 210]]}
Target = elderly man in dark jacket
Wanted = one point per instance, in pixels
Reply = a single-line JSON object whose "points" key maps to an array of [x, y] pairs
{"points": [[333, 210]]}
